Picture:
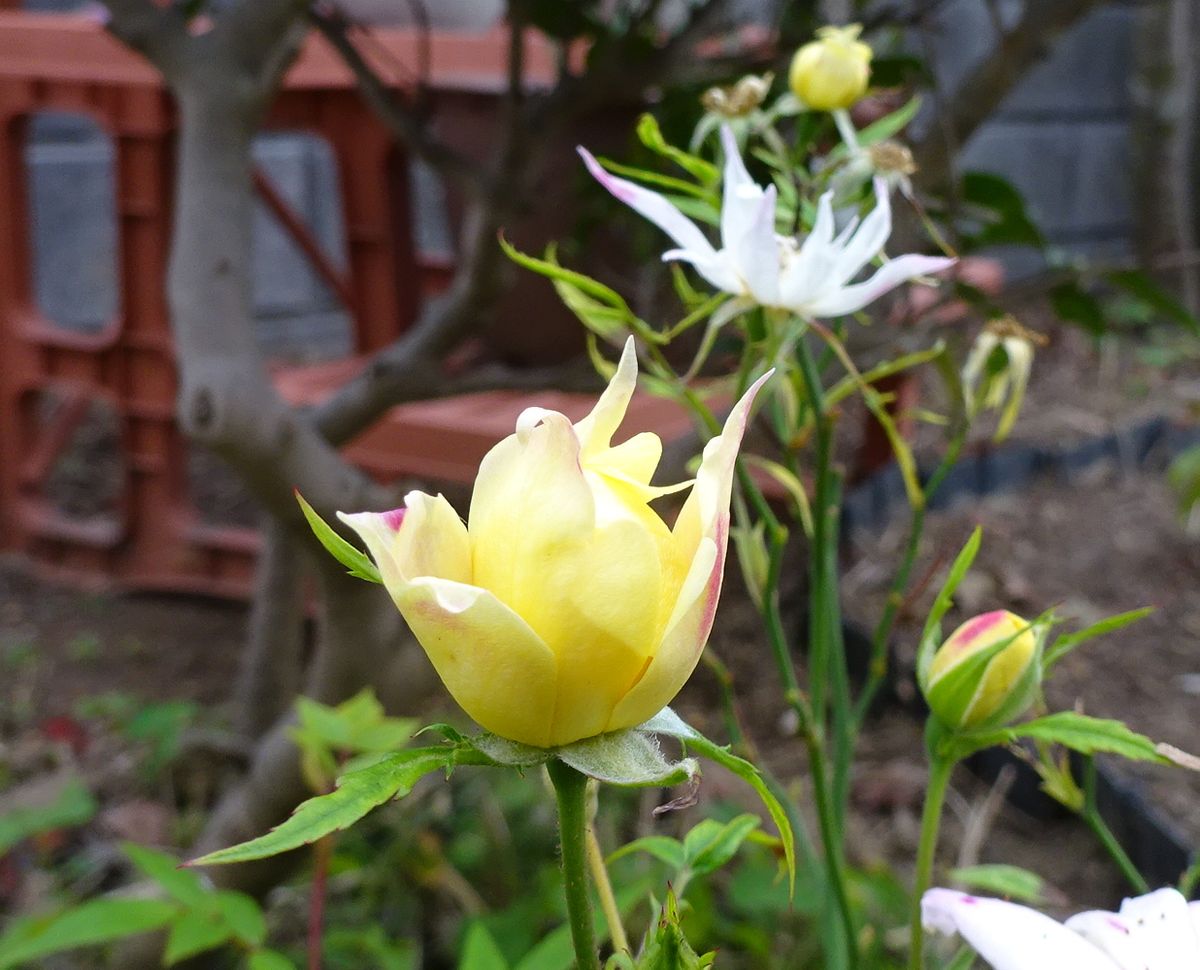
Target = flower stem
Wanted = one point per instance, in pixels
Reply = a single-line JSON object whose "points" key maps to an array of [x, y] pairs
{"points": [[1091, 815], [608, 902], [570, 790], [940, 770]]}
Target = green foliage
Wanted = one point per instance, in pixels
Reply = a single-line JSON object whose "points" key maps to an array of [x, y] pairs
{"points": [[1011, 882], [1184, 478], [355, 560], [705, 849], [931, 634], [1066, 642], [1079, 732], [359, 791], [90, 924], [197, 918], [669, 723], [72, 805], [359, 726]]}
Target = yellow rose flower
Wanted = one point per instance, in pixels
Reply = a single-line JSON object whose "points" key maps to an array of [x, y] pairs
{"points": [[966, 698], [832, 71], [567, 607]]}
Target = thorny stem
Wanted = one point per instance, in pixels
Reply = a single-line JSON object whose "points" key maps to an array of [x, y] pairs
{"points": [[608, 902], [570, 790], [940, 770], [1095, 821]]}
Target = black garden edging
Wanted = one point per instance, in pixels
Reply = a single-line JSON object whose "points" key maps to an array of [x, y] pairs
{"points": [[1156, 847]]}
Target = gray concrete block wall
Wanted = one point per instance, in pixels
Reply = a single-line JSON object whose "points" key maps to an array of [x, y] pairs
{"points": [[1063, 135]]}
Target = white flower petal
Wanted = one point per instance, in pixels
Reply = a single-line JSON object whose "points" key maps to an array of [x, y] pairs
{"points": [[848, 299], [756, 254], [1008, 936], [869, 240], [742, 197]]}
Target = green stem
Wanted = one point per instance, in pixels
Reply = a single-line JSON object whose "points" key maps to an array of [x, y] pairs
{"points": [[1091, 815], [940, 770], [570, 790], [877, 671], [835, 862]]}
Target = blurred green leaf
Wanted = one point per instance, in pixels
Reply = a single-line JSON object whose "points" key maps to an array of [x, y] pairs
{"points": [[1074, 304], [70, 805], [180, 884], [650, 135], [710, 844], [270, 960], [1011, 882], [1144, 288], [480, 952], [194, 933], [95, 922]]}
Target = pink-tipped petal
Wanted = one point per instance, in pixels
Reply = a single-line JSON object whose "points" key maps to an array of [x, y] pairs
{"points": [[699, 539], [1008, 936], [651, 205]]}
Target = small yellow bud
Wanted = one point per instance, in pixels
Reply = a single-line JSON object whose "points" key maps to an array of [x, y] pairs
{"points": [[965, 695], [832, 71]]}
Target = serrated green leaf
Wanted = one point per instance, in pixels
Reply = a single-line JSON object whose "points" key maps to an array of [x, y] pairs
{"points": [[95, 922], [180, 884], [1067, 642], [71, 805], [357, 793], [931, 633], [194, 933], [269, 960], [664, 848], [672, 725], [1011, 882], [708, 850], [355, 560], [480, 951], [1079, 732]]}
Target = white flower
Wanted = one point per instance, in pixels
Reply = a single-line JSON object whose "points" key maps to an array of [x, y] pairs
{"points": [[810, 278], [1158, 931]]}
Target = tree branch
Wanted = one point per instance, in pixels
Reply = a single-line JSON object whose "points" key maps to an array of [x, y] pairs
{"points": [[980, 94], [157, 33], [406, 125]]}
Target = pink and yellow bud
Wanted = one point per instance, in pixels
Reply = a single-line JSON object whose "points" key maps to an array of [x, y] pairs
{"points": [[985, 670], [831, 72], [565, 607]]}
